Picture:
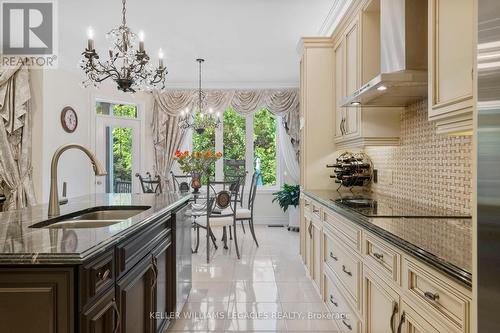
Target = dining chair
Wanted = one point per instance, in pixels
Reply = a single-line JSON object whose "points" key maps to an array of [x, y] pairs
{"points": [[181, 182], [222, 202], [150, 185], [246, 214], [241, 177]]}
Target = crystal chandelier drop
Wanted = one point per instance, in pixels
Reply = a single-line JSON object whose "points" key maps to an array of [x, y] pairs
{"points": [[199, 119], [128, 66]]}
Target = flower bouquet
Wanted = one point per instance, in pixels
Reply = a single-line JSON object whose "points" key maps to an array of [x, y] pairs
{"points": [[196, 163]]}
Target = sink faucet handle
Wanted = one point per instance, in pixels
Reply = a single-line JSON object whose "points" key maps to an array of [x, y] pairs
{"points": [[64, 199], [65, 185]]}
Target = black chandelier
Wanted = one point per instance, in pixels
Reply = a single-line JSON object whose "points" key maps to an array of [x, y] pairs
{"points": [[200, 120], [129, 67]]}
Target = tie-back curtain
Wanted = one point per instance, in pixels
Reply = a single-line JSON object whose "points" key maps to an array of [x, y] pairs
{"points": [[168, 105], [15, 138]]}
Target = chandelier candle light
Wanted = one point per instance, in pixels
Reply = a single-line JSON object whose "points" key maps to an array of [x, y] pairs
{"points": [[204, 120], [129, 67]]}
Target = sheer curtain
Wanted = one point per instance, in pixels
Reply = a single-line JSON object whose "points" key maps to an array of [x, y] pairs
{"points": [[288, 154]]}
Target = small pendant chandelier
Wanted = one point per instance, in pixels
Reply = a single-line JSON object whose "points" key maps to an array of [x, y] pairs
{"points": [[129, 67], [199, 119]]}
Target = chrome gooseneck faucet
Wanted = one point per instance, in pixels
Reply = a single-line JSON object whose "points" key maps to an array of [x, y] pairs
{"points": [[54, 193]]}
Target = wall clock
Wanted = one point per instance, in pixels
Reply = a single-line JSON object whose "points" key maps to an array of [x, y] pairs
{"points": [[69, 119]]}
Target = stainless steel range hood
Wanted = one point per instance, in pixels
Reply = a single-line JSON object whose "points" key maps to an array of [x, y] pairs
{"points": [[403, 54]]}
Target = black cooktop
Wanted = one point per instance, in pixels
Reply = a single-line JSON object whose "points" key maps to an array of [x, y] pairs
{"points": [[387, 207]]}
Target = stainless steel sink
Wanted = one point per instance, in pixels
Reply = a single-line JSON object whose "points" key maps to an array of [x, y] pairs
{"points": [[96, 217]]}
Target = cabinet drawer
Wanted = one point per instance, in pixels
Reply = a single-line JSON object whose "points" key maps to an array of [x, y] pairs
{"points": [[96, 276], [438, 295], [346, 265], [344, 229], [307, 209], [345, 317], [382, 258], [132, 250]]}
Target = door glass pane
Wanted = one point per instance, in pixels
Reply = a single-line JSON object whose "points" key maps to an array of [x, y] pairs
{"points": [[119, 159], [265, 146], [117, 110], [234, 143]]}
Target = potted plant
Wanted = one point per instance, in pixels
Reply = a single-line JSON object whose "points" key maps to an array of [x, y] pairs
{"points": [[195, 164], [288, 199]]}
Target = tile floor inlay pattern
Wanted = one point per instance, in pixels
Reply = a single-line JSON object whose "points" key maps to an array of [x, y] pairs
{"points": [[267, 290]]}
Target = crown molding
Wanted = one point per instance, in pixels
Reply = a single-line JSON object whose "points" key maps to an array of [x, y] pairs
{"points": [[332, 19]]}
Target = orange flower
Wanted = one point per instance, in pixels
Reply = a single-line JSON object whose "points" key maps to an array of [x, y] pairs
{"points": [[198, 155], [178, 153], [208, 154], [186, 153], [218, 155]]}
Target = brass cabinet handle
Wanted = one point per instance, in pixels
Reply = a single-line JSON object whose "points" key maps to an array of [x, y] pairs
{"points": [[402, 320], [346, 271], [379, 256], [315, 210], [117, 314], [394, 311], [333, 302], [347, 325], [431, 296], [333, 256], [310, 230], [103, 276]]}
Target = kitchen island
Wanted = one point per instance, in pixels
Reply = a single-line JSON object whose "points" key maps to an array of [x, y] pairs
{"points": [[124, 275]]}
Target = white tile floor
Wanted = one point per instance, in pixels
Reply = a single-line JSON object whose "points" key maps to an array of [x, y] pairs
{"points": [[267, 290]]}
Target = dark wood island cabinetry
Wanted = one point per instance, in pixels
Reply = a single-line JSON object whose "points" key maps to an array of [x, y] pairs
{"points": [[125, 285]]}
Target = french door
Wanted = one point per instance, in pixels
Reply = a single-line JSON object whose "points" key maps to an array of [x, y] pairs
{"points": [[118, 148]]}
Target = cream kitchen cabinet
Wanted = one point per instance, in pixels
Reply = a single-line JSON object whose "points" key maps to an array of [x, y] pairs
{"points": [[357, 126], [381, 304], [451, 61], [379, 287]]}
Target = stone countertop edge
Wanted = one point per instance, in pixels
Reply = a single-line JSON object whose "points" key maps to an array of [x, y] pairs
{"points": [[447, 268], [61, 259]]}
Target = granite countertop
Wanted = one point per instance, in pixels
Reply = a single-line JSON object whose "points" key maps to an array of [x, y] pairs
{"points": [[444, 243], [21, 244]]}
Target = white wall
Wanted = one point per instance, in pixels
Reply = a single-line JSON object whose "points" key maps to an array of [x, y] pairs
{"points": [[62, 88]]}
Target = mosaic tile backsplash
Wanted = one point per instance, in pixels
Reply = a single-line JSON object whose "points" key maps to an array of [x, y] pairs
{"points": [[426, 168]]}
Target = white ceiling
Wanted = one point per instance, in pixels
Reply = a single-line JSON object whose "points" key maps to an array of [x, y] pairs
{"points": [[246, 43]]}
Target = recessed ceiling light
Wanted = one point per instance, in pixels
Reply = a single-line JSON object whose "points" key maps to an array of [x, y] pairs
{"points": [[382, 88], [355, 103]]}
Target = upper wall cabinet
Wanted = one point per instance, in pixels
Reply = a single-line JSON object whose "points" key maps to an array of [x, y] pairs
{"points": [[356, 58], [451, 52]]}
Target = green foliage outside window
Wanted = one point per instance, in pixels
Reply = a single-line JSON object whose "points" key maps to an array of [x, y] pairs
{"points": [[122, 144], [264, 134], [204, 142], [234, 137]]}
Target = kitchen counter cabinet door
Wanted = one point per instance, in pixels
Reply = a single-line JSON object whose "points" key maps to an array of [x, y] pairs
{"points": [[451, 52], [134, 295], [309, 247], [163, 292], [103, 316], [317, 260], [381, 304]]}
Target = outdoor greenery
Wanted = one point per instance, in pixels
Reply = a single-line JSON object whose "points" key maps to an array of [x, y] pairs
{"points": [[122, 144], [205, 142], [264, 134], [288, 196], [234, 139]]}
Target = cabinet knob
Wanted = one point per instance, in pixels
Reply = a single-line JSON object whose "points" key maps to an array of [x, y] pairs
{"points": [[333, 301], [346, 325], [346, 271], [431, 296], [379, 256], [333, 256], [103, 276]]}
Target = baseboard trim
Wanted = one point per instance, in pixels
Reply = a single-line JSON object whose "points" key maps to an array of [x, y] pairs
{"points": [[271, 220]]}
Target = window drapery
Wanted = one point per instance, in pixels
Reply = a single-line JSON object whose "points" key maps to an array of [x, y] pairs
{"points": [[168, 105], [15, 138]]}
